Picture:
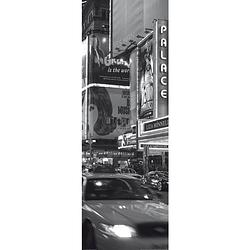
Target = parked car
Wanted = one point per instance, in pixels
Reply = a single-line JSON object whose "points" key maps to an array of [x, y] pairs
{"points": [[119, 213], [156, 179], [130, 172]]}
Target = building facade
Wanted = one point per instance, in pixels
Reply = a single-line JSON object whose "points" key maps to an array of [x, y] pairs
{"points": [[140, 30], [105, 88], [95, 16]]}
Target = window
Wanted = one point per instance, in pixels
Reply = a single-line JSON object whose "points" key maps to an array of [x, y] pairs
{"points": [[116, 189]]}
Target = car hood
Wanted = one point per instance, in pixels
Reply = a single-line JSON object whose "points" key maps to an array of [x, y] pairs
{"points": [[129, 212]]}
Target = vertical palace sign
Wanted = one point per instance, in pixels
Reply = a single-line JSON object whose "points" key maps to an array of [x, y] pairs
{"points": [[161, 68]]}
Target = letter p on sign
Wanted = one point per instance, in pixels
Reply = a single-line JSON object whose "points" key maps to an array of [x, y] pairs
{"points": [[163, 28]]}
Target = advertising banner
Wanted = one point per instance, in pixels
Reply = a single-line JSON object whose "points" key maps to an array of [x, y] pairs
{"points": [[108, 112], [146, 92], [127, 141], [155, 124], [133, 68], [161, 69], [102, 68]]}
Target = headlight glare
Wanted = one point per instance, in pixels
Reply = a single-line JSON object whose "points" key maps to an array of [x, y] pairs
{"points": [[121, 231]]}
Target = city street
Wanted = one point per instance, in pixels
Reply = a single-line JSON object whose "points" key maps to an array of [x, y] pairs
{"points": [[125, 124]]}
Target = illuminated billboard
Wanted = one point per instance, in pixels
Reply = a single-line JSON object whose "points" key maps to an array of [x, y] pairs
{"points": [[133, 68], [103, 68], [127, 140], [146, 80], [108, 112]]}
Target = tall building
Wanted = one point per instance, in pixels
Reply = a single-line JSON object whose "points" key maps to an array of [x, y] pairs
{"points": [[140, 30], [105, 88], [95, 16]]}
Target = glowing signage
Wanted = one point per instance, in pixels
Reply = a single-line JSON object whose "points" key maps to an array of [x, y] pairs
{"points": [[161, 68], [163, 57], [127, 141], [156, 124]]}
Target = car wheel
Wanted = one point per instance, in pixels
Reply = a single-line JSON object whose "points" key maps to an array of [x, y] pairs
{"points": [[159, 186], [88, 241]]}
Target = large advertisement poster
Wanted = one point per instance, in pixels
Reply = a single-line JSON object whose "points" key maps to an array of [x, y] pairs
{"points": [[146, 80], [108, 112], [102, 68], [133, 68]]}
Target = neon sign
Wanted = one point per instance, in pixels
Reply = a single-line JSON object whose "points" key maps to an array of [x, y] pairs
{"points": [[161, 68]]}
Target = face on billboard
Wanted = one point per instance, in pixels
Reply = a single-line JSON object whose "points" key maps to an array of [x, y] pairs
{"points": [[108, 112], [104, 69], [146, 91]]}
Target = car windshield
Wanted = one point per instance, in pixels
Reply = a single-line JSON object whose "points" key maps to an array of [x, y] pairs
{"points": [[116, 189]]}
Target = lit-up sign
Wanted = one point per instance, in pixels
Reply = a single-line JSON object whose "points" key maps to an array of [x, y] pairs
{"points": [[127, 141], [149, 147], [154, 146], [146, 80], [161, 68], [163, 60], [109, 154], [157, 124], [112, 61], [102, 68]]}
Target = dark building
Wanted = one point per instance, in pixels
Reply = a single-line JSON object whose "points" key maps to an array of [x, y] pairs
{"points": [[95, 16], [105, 87]]}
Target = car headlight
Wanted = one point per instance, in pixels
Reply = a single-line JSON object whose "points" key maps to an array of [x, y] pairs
{"points": [[121, 231]]}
